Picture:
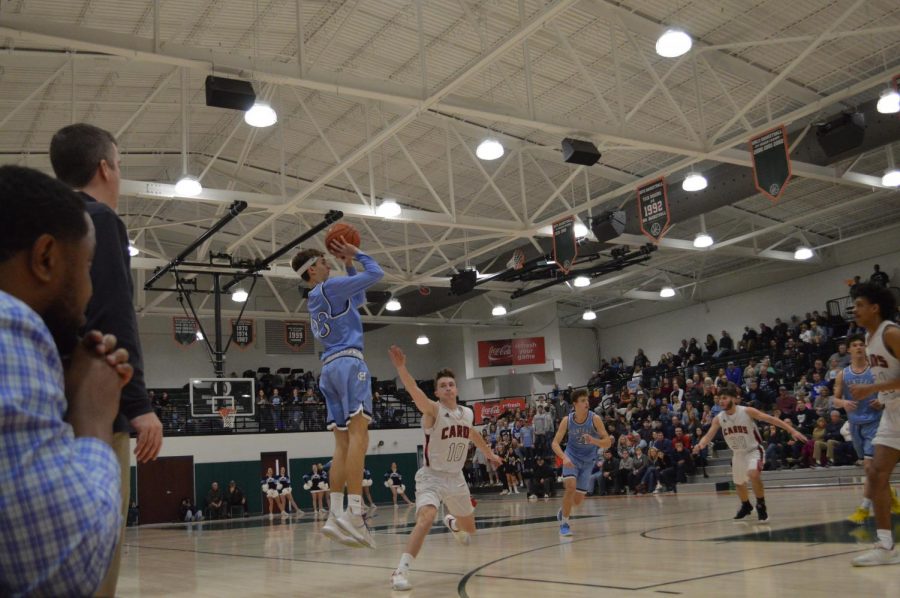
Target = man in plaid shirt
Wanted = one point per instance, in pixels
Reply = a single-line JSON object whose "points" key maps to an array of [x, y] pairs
{"points": [[55, 419]]}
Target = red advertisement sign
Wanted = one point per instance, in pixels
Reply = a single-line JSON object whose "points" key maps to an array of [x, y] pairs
{"points": [[510, 352], [485, 410]]}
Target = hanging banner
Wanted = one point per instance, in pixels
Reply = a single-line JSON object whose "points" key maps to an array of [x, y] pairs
{"points": [[242, 333], [487, 410], [771, 162], [565, 246], [653, 209], [297, 336], [511, 352], [184, 330]]}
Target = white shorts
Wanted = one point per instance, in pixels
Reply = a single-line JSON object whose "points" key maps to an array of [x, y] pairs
{"points": [[743, 462], [436, 487], [889, 429]]}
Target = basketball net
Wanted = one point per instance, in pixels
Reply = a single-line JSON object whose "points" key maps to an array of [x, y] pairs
{"points": [[228, 415], [517, 261]]}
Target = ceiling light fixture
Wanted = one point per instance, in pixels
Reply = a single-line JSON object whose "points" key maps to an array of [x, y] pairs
{"points": [[888, 102], [891, 178], [261, 115], [199, 335], [498, 310], [239, 296], [422, 340], [673, 43], [188, 186], [489, 149], [580, 230], [589, 314], [694, 182], [133, 251], [667, 292], [392, 305], [389, 208], [581, 281], [703, 240], [803, 253]]}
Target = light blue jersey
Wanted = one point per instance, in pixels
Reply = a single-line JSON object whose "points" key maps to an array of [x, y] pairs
{"points": [[333, 307], [863, 414], [580, 452]]}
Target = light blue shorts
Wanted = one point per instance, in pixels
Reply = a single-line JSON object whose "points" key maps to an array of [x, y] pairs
{"points": [[582, 474], [347, 389], [862, 435]]}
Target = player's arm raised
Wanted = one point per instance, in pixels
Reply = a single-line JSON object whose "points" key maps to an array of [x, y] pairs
{"points": [[483, 446], [605, 440], [560, 434], [891, 340], [707, 438], [423, 403], [765, 417]]}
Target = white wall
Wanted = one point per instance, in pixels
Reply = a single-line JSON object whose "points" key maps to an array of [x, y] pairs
{"points": [[663, 333], [247, 447]]}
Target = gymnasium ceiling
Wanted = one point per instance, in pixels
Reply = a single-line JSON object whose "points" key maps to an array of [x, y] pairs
{"points": [[389, 98]]}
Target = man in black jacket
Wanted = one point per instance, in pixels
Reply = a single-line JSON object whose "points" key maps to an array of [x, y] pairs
{"points": [[86, 158], [541, 482]]}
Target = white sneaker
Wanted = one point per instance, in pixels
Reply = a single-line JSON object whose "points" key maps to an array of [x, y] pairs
{"points": [[658, 489], [533, 497], [399, 581], [877, 556], [355, 526], [515, 489], [504, 492], [461, 536], [284, 515], [333, 531]]}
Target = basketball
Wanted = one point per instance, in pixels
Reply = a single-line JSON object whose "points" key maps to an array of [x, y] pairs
{"points": [[344, 232]]}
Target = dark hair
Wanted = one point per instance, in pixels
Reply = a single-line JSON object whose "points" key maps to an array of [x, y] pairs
{"points": [[35, 204], [444, 373], [298, 260], [880, 296], [855, 337], [730, 390], [581, 392], [76, 152]]}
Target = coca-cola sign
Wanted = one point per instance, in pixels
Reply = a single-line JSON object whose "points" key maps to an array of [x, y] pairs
{"points": [[487, 410], [511, 352]]}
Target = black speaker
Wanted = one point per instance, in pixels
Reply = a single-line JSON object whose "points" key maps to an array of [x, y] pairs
{"points": [[229, 93], [842, 134], [463, 282], [608, 225], [576, 151]]}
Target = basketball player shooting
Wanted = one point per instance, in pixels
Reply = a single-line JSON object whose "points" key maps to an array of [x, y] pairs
{"points": [[586, 433], [448, 429], [873, 306], [738, 425], [334, 318]]}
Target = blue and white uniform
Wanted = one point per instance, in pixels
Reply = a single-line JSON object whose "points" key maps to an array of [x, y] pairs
{"points": [[270, 486], [335, 321], [582, 454], [316, 482], [285, 482], [863, 420]]}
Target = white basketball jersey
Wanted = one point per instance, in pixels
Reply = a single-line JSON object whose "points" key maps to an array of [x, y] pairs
{"points": [[884, 366], [739, 430], [447, 441]]}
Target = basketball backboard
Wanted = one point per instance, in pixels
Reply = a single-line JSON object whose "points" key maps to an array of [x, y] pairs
{"points": [[208, 395]]}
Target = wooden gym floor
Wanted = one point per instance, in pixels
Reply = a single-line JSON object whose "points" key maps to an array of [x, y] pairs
{"points": [[684, 544]]}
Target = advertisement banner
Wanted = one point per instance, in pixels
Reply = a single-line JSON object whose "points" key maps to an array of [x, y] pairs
{"points": [[486, 410], [511, 352]]}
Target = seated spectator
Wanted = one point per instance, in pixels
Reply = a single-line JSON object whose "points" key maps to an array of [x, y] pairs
{"points": [[785, 402], [59, 479], [640, 461], [702, 459], [837, 448], [188, 511], [605, 474], [775, 442], [841, 356], [541, 482], [822, 403], [215, 502], [711, 345], [626, 465], [804, 417], [234, 496], [819, 443], [733, 374]]}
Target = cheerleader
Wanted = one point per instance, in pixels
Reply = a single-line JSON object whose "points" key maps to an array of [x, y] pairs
{"points": [[367, 487], [287, 496], [271, 488], [394, 481], [317, 483]]}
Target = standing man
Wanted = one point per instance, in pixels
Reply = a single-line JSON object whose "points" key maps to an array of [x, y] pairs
{"points": [[334, 318], [872, 307], [86, 158]]}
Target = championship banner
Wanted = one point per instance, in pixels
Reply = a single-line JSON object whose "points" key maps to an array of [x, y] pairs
{"points": [[653, 209], [771, 162], [511, 352], [298, 337], [184, 330], [486, 410], [565, 246], [242, 333]]}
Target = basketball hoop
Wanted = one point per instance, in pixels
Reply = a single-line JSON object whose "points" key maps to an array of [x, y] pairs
{"points": [[228, 415], [517, 261]]}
